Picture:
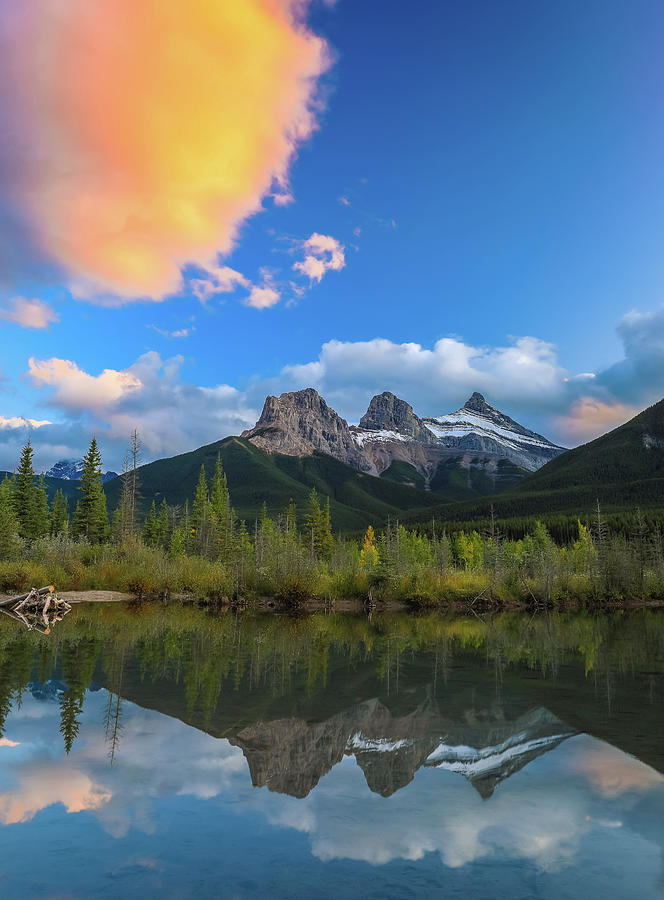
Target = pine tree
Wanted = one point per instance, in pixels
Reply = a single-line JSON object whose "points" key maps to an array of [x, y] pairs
{"points": [[220, 511], [90, 518], [8, 520], [42, 516], [200, 515], [28, 498], [59, 513], [319, 527], [150, 527], [162, 526]]}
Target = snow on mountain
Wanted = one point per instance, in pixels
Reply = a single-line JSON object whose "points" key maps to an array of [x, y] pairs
{"points": [[479, 426], [71, 469]]}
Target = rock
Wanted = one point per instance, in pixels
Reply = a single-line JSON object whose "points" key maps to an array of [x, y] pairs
{"points": [[387, 412], [299, 423]]}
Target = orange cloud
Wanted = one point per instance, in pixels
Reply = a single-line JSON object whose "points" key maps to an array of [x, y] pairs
{"points": [[589, 418], [612, 772], [43, 787], [154, 130]]}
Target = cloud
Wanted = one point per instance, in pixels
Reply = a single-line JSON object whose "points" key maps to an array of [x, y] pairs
{"points": [[263, 297], [29, 313], [524, 374], [589, 417], [178, 333], [524, 378], [170, 414], [19, 422], [322, 253], [220, 280], [76, 390], [139, 136]]}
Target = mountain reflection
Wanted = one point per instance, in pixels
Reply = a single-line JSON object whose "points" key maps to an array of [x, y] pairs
{"points": [[378, 741]]}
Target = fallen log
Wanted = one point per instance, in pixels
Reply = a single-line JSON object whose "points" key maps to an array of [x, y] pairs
{"points": [[11, 601], [38, 609]]}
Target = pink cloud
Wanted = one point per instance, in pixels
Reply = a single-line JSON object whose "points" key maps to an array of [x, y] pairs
{"points": [[29, 313], [323, 253]]}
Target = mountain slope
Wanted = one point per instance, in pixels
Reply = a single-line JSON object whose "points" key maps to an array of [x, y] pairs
{"points": [[480, 426], [623, 469], [255, 477]]}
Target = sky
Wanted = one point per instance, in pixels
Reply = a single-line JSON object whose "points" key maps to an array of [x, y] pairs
{"points": [[205, 202]]}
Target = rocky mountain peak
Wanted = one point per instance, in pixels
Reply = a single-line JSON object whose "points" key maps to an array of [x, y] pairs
{"points": [[387, 412], [297, 423], [477, 403]]}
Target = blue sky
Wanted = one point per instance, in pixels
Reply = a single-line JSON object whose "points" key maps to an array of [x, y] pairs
{"points": [[484, 172]]}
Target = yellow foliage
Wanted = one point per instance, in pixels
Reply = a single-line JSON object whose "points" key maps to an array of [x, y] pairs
{"points": [[369, 552]]}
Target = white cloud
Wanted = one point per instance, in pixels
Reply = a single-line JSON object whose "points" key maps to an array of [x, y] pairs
{"points": [[262, 297], [20, 422], [178, 333], [524, 378], [322, 253], [29, 313], [222, 280], [76, 390]]}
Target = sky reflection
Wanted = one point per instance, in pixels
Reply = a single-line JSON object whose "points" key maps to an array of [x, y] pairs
{"points": [[583, 813]]}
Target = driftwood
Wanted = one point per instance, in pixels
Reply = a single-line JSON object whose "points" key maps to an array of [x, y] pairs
{"points": [[38, 609]]}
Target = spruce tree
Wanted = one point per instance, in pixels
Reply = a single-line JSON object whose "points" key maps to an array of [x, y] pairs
{"points": [[28, 498], [162, 529], [59, 513], [200, 514], [90, 518], [8, 518], [42, 516], [150, 526]]}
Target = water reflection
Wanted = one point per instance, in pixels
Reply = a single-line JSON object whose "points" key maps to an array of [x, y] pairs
{"points": [[429, 748]]}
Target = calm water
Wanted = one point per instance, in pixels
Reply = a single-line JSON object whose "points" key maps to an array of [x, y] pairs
{"points": [[332, 756]]}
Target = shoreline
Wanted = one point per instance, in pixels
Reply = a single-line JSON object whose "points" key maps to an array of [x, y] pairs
{"points": [[349, 605]]}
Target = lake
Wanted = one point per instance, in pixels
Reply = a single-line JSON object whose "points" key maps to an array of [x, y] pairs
{"points": [[177, 751]]}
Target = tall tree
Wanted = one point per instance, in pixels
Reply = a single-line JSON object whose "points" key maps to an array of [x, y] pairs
{"points": [[90, 518], [28, 498], [8, 519], [200, 515], [59, 513]]}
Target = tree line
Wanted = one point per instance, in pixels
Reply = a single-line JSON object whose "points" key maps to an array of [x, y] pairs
{"points": [[204, 548]]}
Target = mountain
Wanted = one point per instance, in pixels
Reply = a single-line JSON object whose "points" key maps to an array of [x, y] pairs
{"points": [[300, 443], [623, 469], [256, 477], [291, 755], [71, 469], [476, 449], [479, 426]]}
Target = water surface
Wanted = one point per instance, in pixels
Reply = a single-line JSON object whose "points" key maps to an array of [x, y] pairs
{"points": [[176, 752]]}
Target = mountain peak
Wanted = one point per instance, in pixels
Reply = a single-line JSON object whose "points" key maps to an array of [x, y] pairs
{"points": [[387, 412], [477, 403]]}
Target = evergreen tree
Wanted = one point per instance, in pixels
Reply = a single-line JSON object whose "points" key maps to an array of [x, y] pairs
{"points": [[319, 528], [220, 511], [28, 498], [41, 508], [59, 513], [90, 518], [8, 519], [162, 526], [200, 515], [150, 527], [78, 664]]}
